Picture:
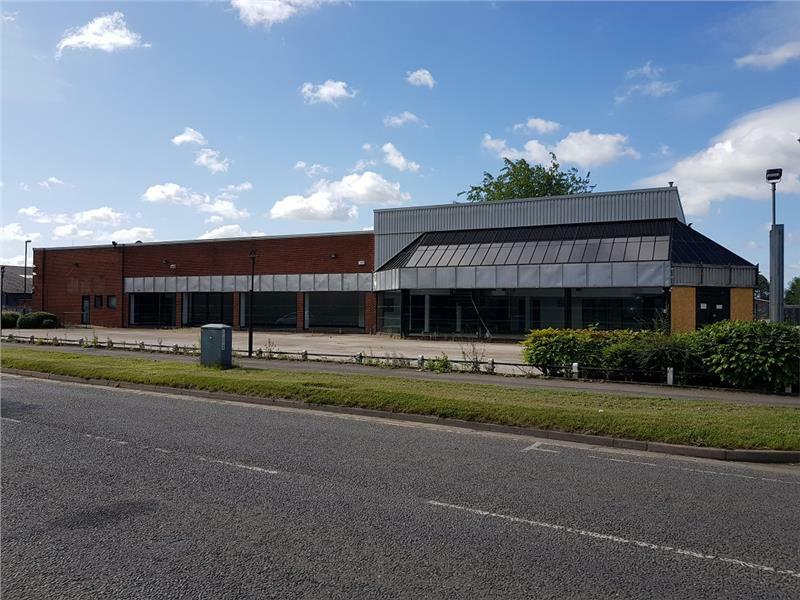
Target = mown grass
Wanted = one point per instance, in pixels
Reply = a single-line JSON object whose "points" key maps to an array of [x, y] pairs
{"points": [[698, 423]]}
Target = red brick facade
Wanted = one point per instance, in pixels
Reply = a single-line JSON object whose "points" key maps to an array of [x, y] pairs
{"points": [[64, 275]]}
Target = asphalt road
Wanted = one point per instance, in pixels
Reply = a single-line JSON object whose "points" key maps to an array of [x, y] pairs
{"points": [[113, 493]]}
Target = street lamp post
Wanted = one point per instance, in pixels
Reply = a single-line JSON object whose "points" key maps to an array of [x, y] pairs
{"points": [[25, 269], [250, 304], [2, 295], [775, 255]]}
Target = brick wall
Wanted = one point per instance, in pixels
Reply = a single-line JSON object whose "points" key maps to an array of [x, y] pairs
{"points": [[64, 275]]}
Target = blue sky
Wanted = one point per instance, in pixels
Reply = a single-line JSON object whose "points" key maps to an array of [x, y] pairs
{"points": [[304, 115]]}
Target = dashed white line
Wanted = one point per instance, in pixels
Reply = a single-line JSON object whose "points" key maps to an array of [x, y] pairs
{"points": [[105, 439], [537, 446], [10, 419], [240, 466], [618, 540], [703, 471]]}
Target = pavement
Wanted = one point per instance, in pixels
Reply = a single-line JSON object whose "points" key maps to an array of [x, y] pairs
{"points": [[616, 388], [131, 494], [290, 341]]}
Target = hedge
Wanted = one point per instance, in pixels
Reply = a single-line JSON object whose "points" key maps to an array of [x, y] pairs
{"points": [[748, 355], [36, 320], [9, 319]]}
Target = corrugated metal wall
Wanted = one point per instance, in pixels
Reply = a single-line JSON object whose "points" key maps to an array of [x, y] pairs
{"points": [[396, 228]]}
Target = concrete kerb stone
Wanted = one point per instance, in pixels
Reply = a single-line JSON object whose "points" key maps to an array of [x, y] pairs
{"points": [[758, 456]]}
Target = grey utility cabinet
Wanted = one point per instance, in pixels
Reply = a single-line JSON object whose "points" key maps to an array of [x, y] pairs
{"points": [[215, 345]]}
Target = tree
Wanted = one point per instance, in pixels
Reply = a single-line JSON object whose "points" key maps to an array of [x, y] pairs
{"points": [[762, 287], [793, 292], [518, 179]]}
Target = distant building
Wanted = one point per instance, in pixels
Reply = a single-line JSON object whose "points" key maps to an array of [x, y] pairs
{"points": [[17, 288], [611, 260]]}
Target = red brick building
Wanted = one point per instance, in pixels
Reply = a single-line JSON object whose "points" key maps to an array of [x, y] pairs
{"points": [[301, 282]]}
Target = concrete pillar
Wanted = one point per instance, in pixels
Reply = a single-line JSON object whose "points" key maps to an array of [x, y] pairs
{"points": [[683, 309], [427, 326], [458, 318], [370, 312], [178, 309], [235, 319], [776, 273], [300, 308], [742, 304]]}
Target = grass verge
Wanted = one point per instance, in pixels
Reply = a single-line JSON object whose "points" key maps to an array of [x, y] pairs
{"points": [[697, 423]]}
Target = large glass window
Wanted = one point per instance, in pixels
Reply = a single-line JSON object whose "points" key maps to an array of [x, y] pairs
{"points": [[389, 311], [270, 309], [152, 309], [210, 307], [343, 310]]}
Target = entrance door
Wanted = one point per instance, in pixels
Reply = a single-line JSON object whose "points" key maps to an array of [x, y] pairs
{"points": [[84, 310]]}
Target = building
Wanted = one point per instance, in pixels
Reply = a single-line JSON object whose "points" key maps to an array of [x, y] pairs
{"points": [[16, 288], [612, 260]]}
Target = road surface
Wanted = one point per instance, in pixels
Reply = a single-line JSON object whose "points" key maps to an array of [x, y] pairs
{"points": [[120, 494]]}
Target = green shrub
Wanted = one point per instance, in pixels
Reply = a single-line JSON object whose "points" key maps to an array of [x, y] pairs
{"points": [[552, 350], [36, 320], [622, 358], [440, 364], [9, 319], [753, 355]]}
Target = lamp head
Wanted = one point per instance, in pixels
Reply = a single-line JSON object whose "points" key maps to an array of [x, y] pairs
{"points": [[774, 175]]}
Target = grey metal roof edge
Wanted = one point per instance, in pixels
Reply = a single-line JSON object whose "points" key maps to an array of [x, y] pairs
{"points": [[198, 241], [520, 200]]}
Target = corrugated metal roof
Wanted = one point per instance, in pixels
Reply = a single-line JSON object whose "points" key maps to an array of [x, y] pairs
{"points": [[395, 228]]}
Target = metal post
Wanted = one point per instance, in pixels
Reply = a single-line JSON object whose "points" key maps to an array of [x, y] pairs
{"points": [[775, 255], [773, 203], [250, 304], [2, 295], [25, 269]]}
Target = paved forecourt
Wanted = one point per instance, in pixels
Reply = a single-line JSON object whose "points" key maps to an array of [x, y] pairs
{"points": [[134, 494]]}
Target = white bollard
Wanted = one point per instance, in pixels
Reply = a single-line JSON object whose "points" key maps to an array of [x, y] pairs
{"points": [[574, 370], [670, 376], [421, 361]]}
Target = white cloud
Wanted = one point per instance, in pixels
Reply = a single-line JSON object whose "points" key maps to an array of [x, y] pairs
{"points": [[338, 200], [8, 17], [587, 149], [173, 193], [245, 186], [646, 81], [312, 170], [104, 215], [72, 231], [535, 124], [664, 150], [394, 158], [582, 148], [225, 208], [404, 118], [269, 12], [329, 92], [366, 147], [50, 182], [733, 163], [222, 205], [13, 232], [14, 261], [229, 231], [24, 187], [210, 159], [771, 59], [362, 165], [108, 33], [128, 236], [214, 219], [420, 77], [189, 136]]}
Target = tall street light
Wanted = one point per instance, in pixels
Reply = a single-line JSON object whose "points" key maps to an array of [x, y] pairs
{"points": [[25, 269], [250, 304], [775, 255]]}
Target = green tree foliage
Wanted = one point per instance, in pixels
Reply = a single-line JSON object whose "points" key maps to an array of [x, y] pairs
{"points": [[793, 292], [762, 287], [518, 179]]}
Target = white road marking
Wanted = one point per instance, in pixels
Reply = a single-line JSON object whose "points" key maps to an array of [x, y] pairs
{"points": [[703, 471], [105, 439], [618, 540], [10, 419], [536, 446], [239, 465], [163, 450]]}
